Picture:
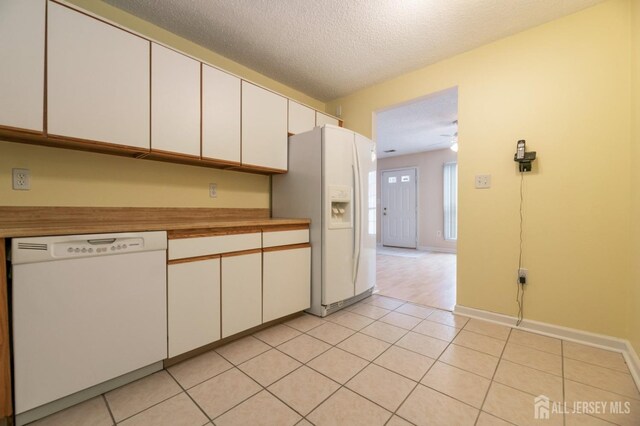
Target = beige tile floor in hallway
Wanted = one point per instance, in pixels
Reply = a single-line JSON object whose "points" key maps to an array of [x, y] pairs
{"points": [[426, 278], [382, 361]]}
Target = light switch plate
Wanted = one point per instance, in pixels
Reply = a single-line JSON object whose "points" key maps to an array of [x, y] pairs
{"points": [[483, 181], [213, 190]]}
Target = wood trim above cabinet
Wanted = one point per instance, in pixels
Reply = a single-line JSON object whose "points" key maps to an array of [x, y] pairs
{"points": [[55, 141], [289, 247], [258, 169]]}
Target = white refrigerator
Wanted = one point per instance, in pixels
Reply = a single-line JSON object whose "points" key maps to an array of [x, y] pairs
{"points": [[332, 181]]}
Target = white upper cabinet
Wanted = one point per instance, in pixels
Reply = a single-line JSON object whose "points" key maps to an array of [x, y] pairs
{"points": [[301, 118], [264, 128], [322, 119], [220, 115], [97, 80], [175, 102], [22, 24]]}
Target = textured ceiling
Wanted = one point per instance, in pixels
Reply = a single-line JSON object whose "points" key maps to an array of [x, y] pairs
{"points": [[422, 125], [331, 48]]}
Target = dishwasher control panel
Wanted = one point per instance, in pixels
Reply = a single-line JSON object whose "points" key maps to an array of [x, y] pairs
{"points": [[97, 246], [46, 249]]}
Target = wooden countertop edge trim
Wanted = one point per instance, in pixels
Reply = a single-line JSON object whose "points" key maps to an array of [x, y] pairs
{"points": [[303, 224]]}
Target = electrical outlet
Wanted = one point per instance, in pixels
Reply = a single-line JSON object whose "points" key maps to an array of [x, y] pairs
{"points": [[213, 190], [483, 181], [439, 233], [524, 273], [21, 179]]}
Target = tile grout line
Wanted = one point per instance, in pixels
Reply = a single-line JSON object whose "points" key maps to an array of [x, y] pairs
{"points": [[205, 380], [189, 395], [149, 407], [104, 398], [359, 371], [395, 413], [486, 395], [628, 372]]}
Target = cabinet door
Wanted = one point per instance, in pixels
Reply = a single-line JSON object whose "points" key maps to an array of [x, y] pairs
{"points": [[264, 128], [241, 293], [97, 80], [22, 24], [322, 119], [175, 102], [220, 115], [193, 302], [286, 282], [301, 118]]}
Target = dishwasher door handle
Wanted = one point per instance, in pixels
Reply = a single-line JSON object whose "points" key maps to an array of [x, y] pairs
{"points": [[102, 241]]}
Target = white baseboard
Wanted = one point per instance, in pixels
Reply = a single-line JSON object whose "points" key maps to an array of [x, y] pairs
{"points": [[438, 249], [565, 333]]}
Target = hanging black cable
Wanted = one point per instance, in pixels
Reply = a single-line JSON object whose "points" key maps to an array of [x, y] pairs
{"points": [[519, 283]]}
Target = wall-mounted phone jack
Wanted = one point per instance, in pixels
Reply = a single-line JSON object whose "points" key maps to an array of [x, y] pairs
{"points": [[522, 275]]}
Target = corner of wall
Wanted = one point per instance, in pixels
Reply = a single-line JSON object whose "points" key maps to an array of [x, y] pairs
{"points": [[634, 300]]}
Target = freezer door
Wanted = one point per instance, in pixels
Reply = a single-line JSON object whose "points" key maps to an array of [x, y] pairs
{"points": [[338, 241], [365, 209]]}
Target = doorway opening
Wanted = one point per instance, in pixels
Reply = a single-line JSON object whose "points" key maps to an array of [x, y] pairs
{"points": [[417, 145], [399, 208]]}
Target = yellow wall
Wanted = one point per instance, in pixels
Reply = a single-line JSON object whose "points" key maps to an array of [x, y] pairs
{"points": [[61, 177], [565, 88], [73, 178], [635, 183]]}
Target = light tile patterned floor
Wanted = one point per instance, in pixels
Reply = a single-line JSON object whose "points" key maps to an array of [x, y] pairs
{"points": [[426, 278], [380, 362]]}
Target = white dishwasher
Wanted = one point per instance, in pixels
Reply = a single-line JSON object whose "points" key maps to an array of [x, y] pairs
{"points": [[86, 309]]}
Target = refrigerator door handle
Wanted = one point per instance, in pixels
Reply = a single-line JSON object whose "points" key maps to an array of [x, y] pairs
{"points": [[357, 213]]}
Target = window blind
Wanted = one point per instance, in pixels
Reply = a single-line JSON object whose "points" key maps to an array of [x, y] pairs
{"points": [[450, 201]]}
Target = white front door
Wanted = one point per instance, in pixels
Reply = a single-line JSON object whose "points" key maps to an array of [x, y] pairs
{"points": [[399, 208]]}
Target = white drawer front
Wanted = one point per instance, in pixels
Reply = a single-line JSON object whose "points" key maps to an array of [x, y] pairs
{"points": [[285, 238], [203, 246]]}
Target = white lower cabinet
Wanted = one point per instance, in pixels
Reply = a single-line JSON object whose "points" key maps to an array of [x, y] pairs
{"points": [[222, 285], [241, 292], [193, 305], [286, 282]]}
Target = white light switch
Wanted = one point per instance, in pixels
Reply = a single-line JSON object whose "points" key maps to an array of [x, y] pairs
{"points": [[213, 190], [483, 181]]}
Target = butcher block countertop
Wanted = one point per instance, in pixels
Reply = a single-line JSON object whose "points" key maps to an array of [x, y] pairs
{"points": [[41, 221]]}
